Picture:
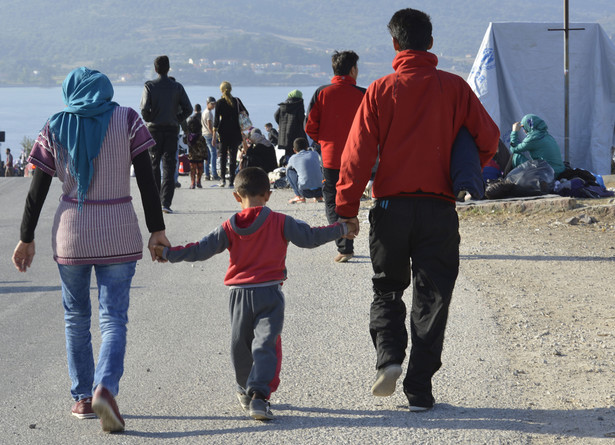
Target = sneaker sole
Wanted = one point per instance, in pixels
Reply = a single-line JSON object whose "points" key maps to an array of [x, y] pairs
{"points": [[386, 382], [419, 409], [261, 415], [109, 421], [85, 416], [343, 259]]}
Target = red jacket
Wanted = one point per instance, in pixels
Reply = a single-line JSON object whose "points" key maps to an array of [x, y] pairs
{"points": [[330, 116], [410, 119]]}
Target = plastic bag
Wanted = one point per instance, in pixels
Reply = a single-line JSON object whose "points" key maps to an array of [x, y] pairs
{"points": [[534, 176]]}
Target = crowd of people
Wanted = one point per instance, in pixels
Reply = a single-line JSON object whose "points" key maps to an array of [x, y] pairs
{"points": [[398, 135]]}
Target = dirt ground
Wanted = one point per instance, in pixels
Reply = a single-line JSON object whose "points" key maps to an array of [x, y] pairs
{"points": [[547, 269]]}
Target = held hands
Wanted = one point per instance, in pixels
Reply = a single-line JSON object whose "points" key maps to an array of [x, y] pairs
{"points": [[156, 244], [353, 227], [516, 126], [23, 255]]}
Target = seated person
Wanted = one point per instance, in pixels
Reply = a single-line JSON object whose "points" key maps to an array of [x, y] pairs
{"points": [[304, 173], [538, 143], [261, 152]]}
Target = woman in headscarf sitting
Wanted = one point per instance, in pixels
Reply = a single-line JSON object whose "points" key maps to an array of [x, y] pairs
{"points": [[90, 145], [261, 152], [538, 143]]}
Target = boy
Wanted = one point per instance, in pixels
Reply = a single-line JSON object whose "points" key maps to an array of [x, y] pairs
{"points": [[304, 173], [257, 239]]}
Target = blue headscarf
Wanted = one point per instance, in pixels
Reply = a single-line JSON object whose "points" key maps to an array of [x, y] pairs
{"points": [[80, 128]]}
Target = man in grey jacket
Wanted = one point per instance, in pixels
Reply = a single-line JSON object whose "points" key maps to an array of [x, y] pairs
{"points": [[164, 105]]}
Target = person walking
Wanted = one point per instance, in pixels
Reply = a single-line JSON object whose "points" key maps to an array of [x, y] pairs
{"points": [[290, 117], [329, 117], [164, 105], [226, 126], [197, 147], [90, 145], [410, 119], [8, 163]]}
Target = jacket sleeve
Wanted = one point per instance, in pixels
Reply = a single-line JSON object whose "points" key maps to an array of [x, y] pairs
{"points": [[39, 187], [214, 243], [217, 116], [312, 121], [302, 235], [149, 195], [519, 147], [358, 158], [146, 104], [184, 105]]}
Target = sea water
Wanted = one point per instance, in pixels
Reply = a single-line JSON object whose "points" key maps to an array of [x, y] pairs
{"points": [[24, 110]]}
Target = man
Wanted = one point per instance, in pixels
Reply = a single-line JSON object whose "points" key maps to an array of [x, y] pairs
{"points": [[272, 133], [304, 174], [410, 119], [164, 105], [207, 122], [8, 163], [330, 116]]}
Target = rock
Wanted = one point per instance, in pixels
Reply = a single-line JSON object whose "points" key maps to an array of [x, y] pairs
{"points": [[572, 221]]}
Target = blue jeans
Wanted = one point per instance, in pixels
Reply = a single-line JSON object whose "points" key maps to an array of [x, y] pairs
{"points": [[293, 180], [213, 158], [113, 282]]}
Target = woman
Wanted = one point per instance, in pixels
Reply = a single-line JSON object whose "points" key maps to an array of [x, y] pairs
{"points": [[537, 142], [261, 152], [90, 146], [290, 117], [226, 125], [198, 152]]}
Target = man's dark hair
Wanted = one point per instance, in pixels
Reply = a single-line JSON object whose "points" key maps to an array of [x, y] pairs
{"points": [[161, 64], [252, 181], [197, 108], [411, 28], [300, 144], [268, 124], [343, 62]]}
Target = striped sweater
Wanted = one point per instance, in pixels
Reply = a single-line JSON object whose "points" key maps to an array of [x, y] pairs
{"points": [[106, 230]]}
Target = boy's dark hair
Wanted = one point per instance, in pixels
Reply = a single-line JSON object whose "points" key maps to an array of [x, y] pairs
{"points": [[268, 124], [411, 28], [300, 144], [197, 108], [343, 62], [252, 181], [161, 64]]}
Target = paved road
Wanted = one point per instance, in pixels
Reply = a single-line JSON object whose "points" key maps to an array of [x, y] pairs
{"points": [[178, 383]]}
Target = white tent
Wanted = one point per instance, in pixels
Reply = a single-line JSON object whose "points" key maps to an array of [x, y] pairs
{"points": [[519, 70]]}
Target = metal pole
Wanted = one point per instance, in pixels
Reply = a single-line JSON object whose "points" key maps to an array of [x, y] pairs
{"points": [[566, 82]]}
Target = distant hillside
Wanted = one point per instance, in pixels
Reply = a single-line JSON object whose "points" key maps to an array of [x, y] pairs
{"points": [[42, 41]]}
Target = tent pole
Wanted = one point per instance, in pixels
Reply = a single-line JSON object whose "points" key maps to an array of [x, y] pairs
{"points": [[566, 83]]}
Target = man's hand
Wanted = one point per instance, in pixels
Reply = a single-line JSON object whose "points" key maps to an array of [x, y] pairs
{"points": [[157, 242], [23, 255], [516, 126], [353, 227]]}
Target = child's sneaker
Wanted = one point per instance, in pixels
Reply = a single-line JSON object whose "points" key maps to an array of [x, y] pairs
{"points": [[259, 409], [244, 400]]}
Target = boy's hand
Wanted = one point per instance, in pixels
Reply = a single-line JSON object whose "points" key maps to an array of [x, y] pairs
{"points": [[158, 250], [353, 227]]}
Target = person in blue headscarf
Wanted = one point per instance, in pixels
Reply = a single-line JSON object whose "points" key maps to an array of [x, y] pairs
{"points": [[538, 143], [90, 145]]}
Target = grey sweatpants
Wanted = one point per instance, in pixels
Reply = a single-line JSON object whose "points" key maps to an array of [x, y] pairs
{"points": [[257, 316]]}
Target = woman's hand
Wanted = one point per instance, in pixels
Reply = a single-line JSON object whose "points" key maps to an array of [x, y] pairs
{"points": [[516, 126], [23, 255], [157, 239]]}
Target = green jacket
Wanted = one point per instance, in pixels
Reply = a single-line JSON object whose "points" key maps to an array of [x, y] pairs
{"points": [[538, 143]]}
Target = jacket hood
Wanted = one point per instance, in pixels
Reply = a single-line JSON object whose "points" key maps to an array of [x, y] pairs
{"points": [[292, 104]]}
